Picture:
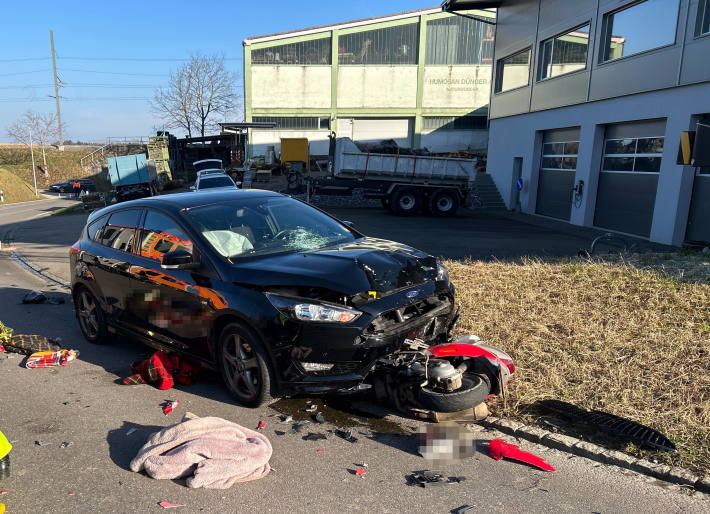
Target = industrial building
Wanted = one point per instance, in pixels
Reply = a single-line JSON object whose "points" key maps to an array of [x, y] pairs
{"points": [[421, 78], [589, 104]]}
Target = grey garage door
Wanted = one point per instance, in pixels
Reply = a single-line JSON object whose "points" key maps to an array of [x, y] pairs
{"points": [[699, 217], [558, 167], [628, 180]]}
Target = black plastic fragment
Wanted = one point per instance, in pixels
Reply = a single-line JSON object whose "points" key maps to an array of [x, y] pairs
{"points": [[314, 436], [347, 435], [629, 429], [427, 478], [319, 418], [463, 509]]}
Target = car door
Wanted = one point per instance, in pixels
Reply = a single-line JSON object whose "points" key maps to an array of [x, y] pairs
{"points": [[108, 258], [172, 306]]}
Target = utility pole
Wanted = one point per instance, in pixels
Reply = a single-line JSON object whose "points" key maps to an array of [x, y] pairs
{"points": [[56, 87], [32, 153]]}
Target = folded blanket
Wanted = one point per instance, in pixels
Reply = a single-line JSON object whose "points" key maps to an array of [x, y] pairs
{"points": [[211, 452]]}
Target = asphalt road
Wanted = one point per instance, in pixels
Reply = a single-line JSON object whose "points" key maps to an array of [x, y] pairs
{"points": [[83, 403]]}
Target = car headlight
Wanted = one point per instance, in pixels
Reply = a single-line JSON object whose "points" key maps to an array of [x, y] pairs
{"points": [[316, 312], [442, 274]]}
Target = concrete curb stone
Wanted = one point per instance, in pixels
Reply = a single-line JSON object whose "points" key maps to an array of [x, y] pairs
{"points": [[597, 453]]}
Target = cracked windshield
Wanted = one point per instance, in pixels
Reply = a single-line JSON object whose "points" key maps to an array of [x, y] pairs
{"points": [[266, 226]]}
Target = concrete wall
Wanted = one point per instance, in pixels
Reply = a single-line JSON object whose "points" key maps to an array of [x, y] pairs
{"points": [[295, 87], [453, 140], [457, 86], [521, 136], [371, 87], [260, 139]]}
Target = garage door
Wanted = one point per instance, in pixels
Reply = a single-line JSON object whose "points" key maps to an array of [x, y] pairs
{"points": [[558, 168], [375, 130], [628, 178], [699, 217]]}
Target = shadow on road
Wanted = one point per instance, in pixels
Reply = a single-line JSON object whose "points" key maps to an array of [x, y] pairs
{"points": [[123, 446]]}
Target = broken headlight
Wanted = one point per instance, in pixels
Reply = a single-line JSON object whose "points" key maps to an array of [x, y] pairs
{"points": [[318, 312], [442, 274]]}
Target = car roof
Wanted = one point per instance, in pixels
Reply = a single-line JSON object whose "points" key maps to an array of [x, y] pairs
{"points": [[176, 202]]}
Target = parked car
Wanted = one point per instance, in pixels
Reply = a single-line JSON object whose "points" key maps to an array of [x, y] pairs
{"points": [[67, 186], [213, 181], [280, 297]]}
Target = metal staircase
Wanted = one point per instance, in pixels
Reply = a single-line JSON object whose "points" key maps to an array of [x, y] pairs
{"points": [[487, 193]]}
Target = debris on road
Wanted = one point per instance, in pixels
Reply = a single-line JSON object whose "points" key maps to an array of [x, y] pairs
{"points": [[427, 478], [624, 427], [321, 450], [168, 505], [39, 442], [497, 449], [360, 472], [27, 344], [298, 427], [320, 418], [72, 493], [312, 408], [163, 369], [286, 420], [4, 492], [261, 425], [66, 444], [34, 297], [314, 436], [169, 406], [347, 435], [209, 452], [51, 359], [463, 509]]}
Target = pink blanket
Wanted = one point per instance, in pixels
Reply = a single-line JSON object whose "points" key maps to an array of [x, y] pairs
{"points": [[212, 452]]}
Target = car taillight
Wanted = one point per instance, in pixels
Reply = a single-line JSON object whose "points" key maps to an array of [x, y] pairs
{"points": [[75, 248]]}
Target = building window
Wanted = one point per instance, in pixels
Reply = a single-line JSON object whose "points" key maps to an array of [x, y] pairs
{"points": [[458, 40], [296, 123], [638, 28], [633, 154], [702, 23], [455, 123], [392, 45], [560, 155], [316, 51], [565, 53], [513, 71]]}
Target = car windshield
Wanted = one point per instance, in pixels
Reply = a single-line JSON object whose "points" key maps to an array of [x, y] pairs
{"points": [[266, 226], [224, 181]]}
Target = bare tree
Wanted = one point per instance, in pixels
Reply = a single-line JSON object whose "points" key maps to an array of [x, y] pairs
{"points": [[197, 94], [35, 128]]}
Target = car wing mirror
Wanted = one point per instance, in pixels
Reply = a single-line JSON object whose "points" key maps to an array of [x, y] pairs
{"points": [[179, 259]]}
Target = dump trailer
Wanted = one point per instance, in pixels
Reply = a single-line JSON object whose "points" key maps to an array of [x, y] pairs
{"points": [[132, 176], [406, 184]]}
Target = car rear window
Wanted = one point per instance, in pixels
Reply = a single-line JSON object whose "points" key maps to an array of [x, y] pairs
{"points": [[118, 232], [94, 227], [208, 183]]}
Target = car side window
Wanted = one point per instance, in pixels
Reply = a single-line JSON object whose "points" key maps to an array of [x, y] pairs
{"points": [[118, 232], [160, 235], [93, 230]]}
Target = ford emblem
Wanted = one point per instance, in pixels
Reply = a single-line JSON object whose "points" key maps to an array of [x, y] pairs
{"points": [[412, 294]]}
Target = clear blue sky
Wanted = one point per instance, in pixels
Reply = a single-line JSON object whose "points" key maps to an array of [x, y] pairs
{"points": [[88, 35]]}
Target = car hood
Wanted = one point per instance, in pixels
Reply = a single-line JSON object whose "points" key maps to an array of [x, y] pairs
{"points": [[366, 264]]}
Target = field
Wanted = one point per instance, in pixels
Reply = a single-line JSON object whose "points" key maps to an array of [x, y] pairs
{"points": [[633, 341]]}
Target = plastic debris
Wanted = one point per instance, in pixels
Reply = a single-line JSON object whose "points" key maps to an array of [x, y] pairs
{"points": [[66, 444], [320, 418], [314, 436], [298, 427], [261, 425], [497, 449], [72, 493], [463, 509], [279, 432], [347, 435], [170, 406], [360, 472], [50, 359], [312, 408], [4, 492], [130, 431], [34, 297], [168, 505], [429, 478], [321, 450], [42, 443], [286, 420]]}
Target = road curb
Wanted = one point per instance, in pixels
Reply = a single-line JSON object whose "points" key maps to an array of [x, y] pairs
{"points": [[28, 266], [575, 446]]}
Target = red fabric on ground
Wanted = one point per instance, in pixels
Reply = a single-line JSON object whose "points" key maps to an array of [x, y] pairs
{"points": [[163, 370]]}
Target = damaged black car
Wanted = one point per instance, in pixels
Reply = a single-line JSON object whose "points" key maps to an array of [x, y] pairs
{"points": [[278, 296]]}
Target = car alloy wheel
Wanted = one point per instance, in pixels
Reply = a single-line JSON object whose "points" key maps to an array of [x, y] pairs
{"points": [[241, 368], [90, 316]]}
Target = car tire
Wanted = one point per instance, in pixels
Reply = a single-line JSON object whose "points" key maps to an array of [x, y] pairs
{"points": [[443, 203], [91, 317], [244, 365], [406, 201], [475, 390]]}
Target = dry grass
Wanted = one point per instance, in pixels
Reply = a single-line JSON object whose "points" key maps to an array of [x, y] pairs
{"points": [[601, 335]]}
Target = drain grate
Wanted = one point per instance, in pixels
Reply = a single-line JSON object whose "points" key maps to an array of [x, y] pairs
{"points": [[634, 431]]}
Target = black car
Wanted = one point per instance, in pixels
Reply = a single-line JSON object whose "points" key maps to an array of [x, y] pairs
{"points": [[67, 186], [277, 295]]}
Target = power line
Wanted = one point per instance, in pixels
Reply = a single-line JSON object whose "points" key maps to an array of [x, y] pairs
{"points": [[24, 72], [26, 59], [116, 73], [140, 59]]}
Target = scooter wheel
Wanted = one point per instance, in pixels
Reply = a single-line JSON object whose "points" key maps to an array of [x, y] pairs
{"points": [[475, 390]]}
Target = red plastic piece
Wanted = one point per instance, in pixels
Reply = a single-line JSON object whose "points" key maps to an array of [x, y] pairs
{"points": [[468, 350], [170, 406], [261, 425], [168, 505], [320, 450], [360, 472], [497, 448]]}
